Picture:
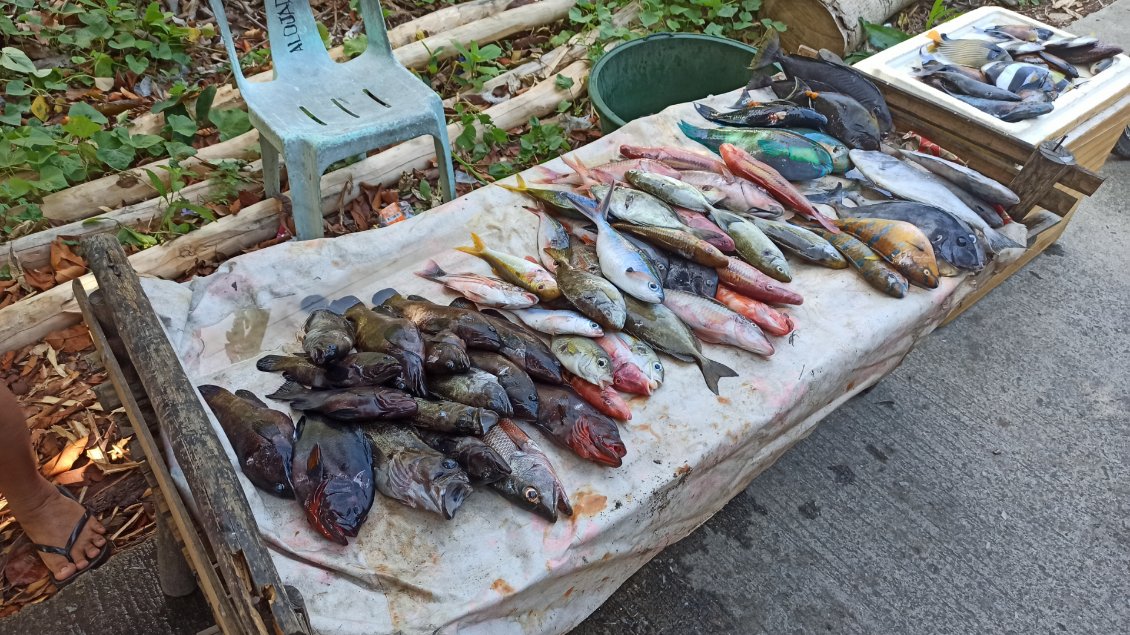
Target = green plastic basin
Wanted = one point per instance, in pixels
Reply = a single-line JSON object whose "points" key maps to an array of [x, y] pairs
{"points": [[644, 76]]}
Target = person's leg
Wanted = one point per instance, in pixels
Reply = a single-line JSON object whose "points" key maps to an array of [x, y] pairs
{"points": [[45, 514]]}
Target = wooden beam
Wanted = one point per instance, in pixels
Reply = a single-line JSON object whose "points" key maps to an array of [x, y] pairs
{"points": [[240, 555], [122, 376]]}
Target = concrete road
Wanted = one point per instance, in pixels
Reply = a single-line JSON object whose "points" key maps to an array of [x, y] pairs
{"points": [[983, 487]]}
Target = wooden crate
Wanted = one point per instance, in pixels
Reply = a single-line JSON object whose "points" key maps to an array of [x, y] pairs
{"points": [[224, 553], [1003, 157]]}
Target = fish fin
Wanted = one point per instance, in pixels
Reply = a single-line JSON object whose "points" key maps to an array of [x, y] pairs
{"points": [[934, 36], [250, 397], [706, 111], [578, 166], [712, 371], [559, 256], [478, 245], [605, 204], [290, 391], [998, 241], [431, 271], [271, 363], [314, 463]]}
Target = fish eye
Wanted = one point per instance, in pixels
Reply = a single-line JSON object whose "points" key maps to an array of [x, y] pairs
{"points": [[657, 366], [449, 464], [593, 325], [652, 286], [601, 363], [531, 494], [961, 242]]}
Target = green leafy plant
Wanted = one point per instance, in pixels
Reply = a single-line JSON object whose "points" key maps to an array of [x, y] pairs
{"points": [[180, 213], [228, 179], [477, 64], [939, 13]]}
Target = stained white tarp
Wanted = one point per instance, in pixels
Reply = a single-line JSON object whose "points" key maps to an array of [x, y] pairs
{"points": [[495, 568]]}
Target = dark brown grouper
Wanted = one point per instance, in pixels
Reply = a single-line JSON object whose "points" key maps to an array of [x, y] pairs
{"points": [[519, 387], [327, 338], [357, 369], [333, 477], [523, 348], [478, 459], [445, 353], [453, 417], [433, 318], [532, 483], [364, 403], [394, 336], [474, 388], [573, 423], [263, 439], [411, 473]]}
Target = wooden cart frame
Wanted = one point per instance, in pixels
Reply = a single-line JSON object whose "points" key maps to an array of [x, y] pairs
{"points": [[224, 553]]}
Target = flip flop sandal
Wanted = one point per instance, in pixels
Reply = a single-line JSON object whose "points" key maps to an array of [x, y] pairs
{"points": [[65, 551]]}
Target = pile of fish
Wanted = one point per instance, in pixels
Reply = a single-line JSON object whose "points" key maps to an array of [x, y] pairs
{"points": [[653, 253], [1012, 71]]}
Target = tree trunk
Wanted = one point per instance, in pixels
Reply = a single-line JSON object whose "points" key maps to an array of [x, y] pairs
{"points": [[829, 24]]}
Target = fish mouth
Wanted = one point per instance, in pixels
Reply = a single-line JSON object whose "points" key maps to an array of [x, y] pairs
{"points": [[268, 467], [321, 354], [545, 371], [597, 440], [631, 380], [323, 517], [452, 498]]}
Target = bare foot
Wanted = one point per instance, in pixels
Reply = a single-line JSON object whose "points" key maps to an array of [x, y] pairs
{"points": [[51, 523]]}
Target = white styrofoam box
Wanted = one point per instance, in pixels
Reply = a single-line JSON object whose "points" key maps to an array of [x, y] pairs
{"points": [[897, 65]]}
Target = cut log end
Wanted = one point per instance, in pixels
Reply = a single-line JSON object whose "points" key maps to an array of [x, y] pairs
{"points": [[829, 24]]}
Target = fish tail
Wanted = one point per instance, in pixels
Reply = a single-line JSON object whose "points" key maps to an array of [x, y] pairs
{"points": [[289, 391], [934, 36], [271, 363], [559, 256], [478, 246], [414, 374], [692, 132], [521, 187], [431, 271], [998, 241], [578, 166], [712, 371], [706, 111]]}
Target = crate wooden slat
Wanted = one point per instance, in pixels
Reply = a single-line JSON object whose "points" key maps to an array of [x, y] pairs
{"points": [[244, 583]]}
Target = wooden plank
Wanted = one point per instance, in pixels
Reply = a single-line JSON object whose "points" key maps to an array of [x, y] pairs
{"points": [[243, 560], [1039, 176], [1093, 141], [206, 576]]}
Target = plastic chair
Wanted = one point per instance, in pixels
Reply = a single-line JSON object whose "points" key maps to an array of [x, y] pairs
{"points": [[316, 111]]}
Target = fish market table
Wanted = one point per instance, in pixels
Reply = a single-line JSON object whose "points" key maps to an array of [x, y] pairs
{"points": [[495, 568]]}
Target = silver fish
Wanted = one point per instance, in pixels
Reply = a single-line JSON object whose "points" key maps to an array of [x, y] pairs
{"points": [[911, 183], [636, 207], [967, 178], [532, 484], [621, 262], [551, 234], [671, 190], [559, 322]]}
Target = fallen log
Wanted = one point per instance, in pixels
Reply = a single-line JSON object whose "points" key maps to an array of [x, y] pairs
{"points": [[415, 53], [30, 319], [577, 47], [34, 250], [130, 186], [830, 24]]}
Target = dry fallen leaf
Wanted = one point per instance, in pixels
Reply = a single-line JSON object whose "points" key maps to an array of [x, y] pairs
{"points": [[70, 340], [25, 567], [65, 459]]}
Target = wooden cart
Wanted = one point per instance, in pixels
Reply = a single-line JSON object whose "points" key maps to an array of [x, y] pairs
{"points": [[224, 554]]}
